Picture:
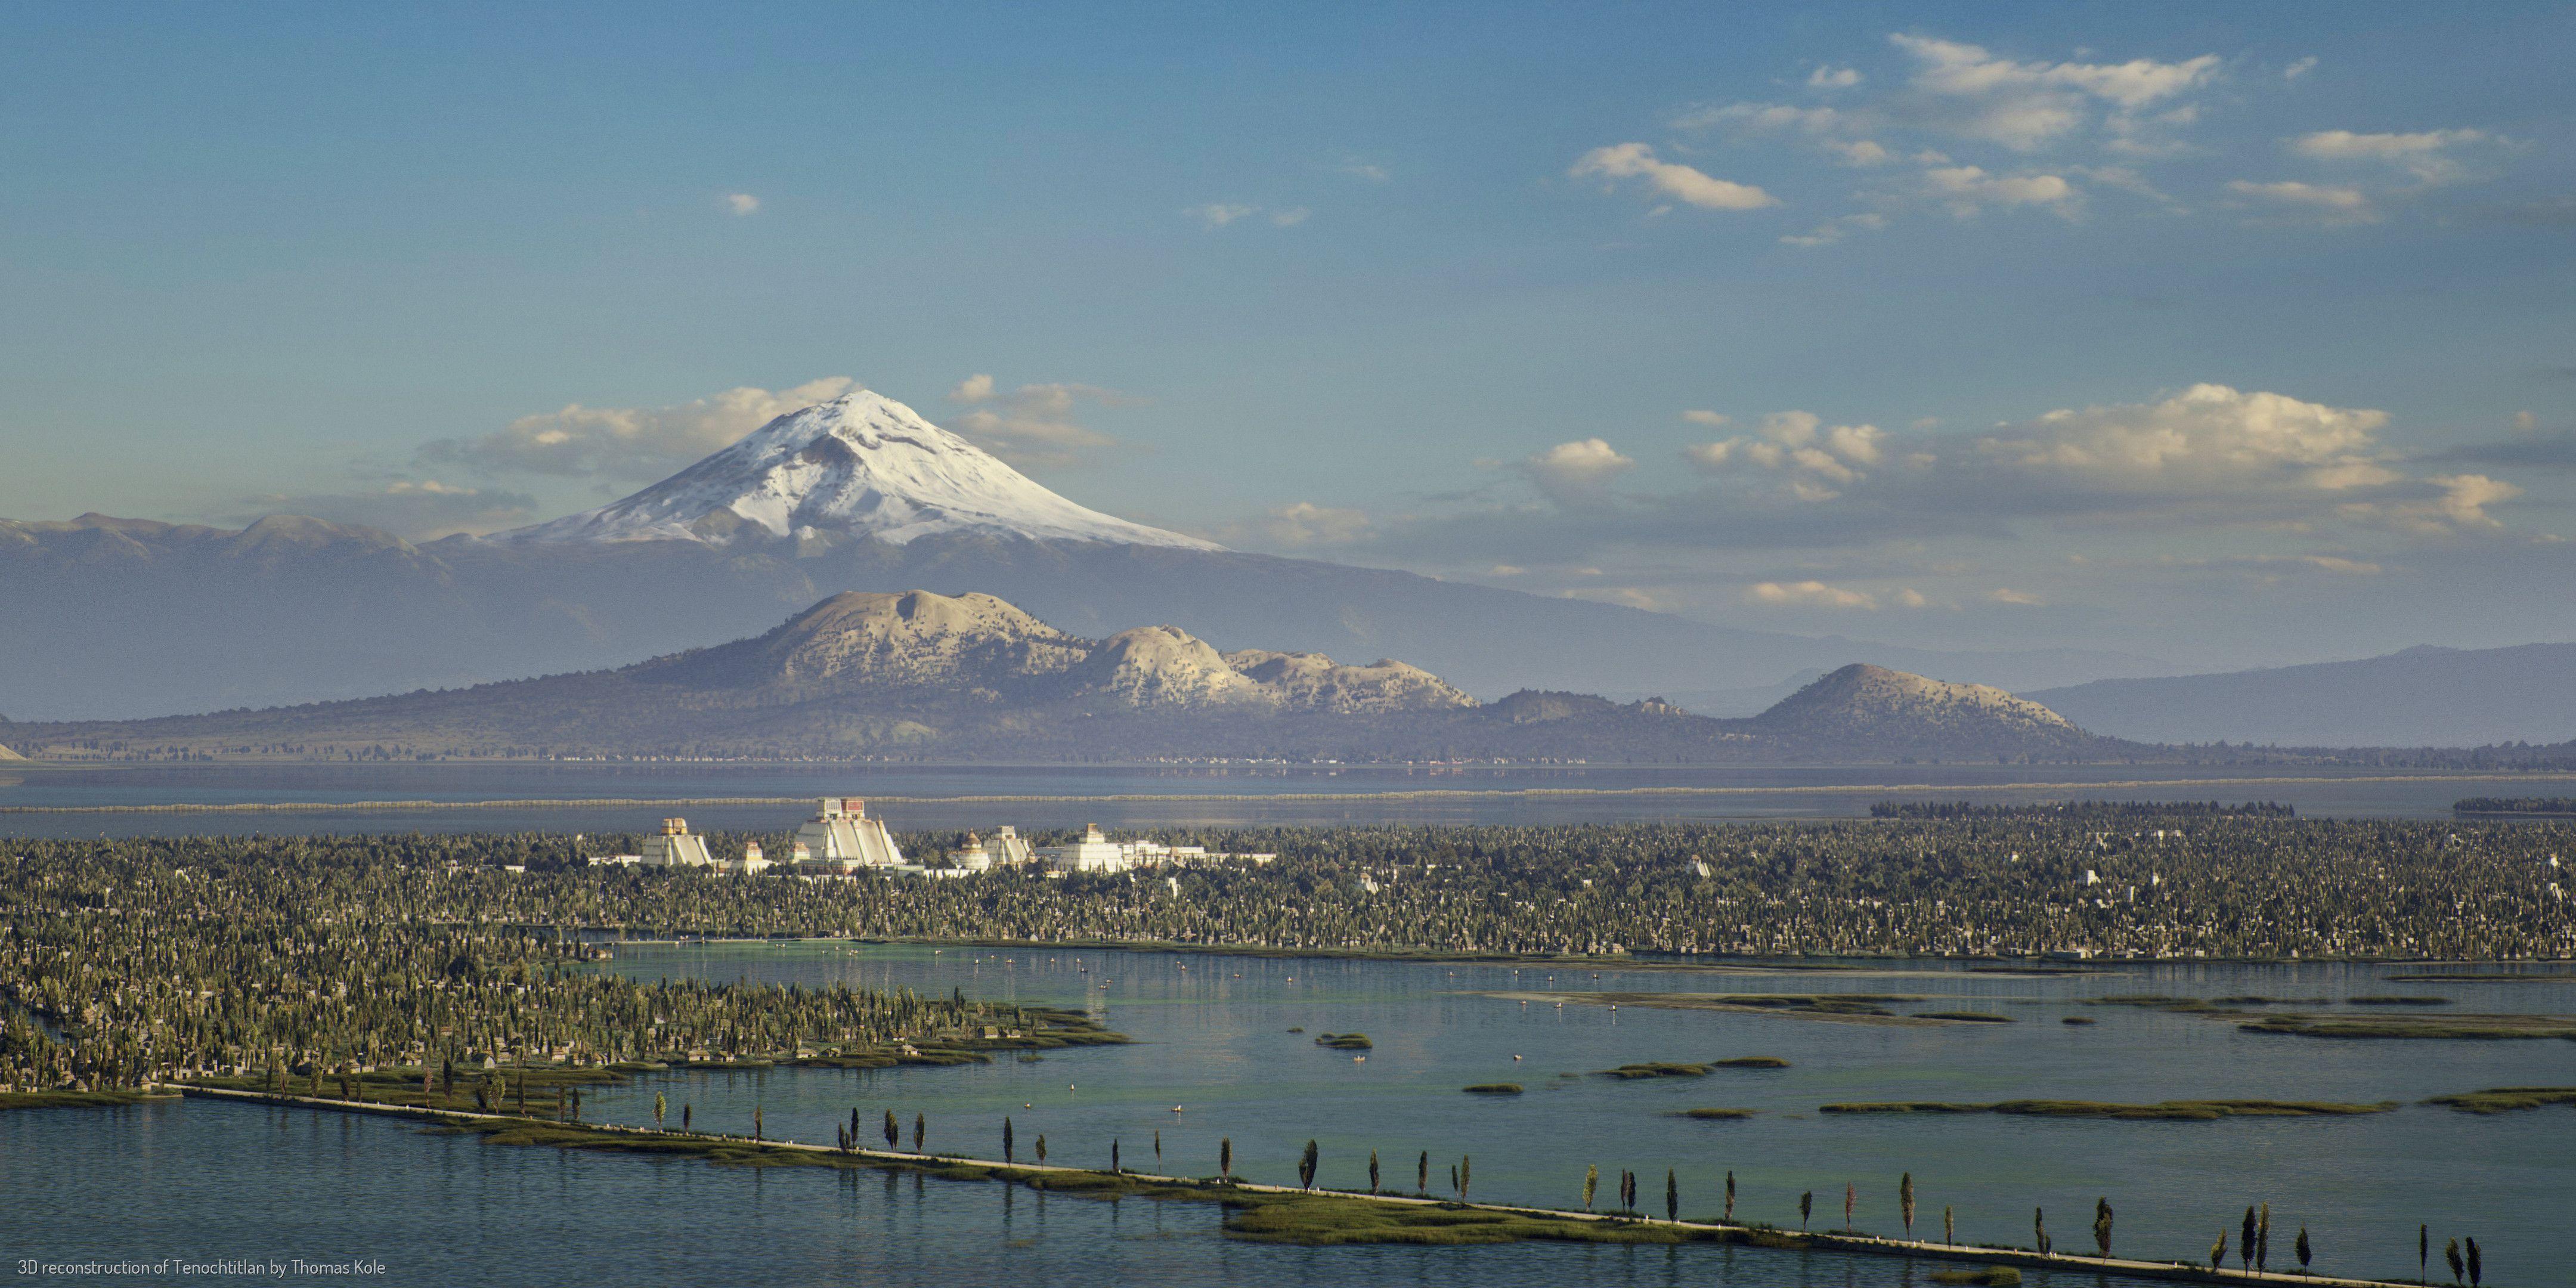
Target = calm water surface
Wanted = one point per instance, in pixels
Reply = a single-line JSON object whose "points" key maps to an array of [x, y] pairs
{"points": [[925, 796], [1215, 1058]]}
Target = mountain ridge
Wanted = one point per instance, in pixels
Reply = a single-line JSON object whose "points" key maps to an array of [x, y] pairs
{"points": [[974, 677]]}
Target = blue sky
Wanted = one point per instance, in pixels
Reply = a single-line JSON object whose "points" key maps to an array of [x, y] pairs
{"points": [[2223, 334]]}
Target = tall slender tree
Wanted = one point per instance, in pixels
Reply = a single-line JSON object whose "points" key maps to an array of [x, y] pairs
{"points": [[1672, 1196], [1905, 1201], [1372, 1171], [920, 1128], [1949, 1229], [2245, 1243], [1114, 1168], [1851, 1194], [757, 1131], [1730, 1196], [2218, 1251], [1158, 1149], [1422, 1174], [1806, 1206], [1467, 1177], [1225, 1158], [1591, 1182], [893, 1133], [2039, 1229], [2477, 1264], [2302, 1247], [1041, 1149], [1306, 1167], [1006, 1138], [2423, 1253], [2263, 1237], [2102, 1225], [2451, 1253], [661, 1106]]}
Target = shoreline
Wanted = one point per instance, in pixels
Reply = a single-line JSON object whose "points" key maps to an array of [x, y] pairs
{"points": [[1851, 965], [1406, 794], [1612, 1227]]}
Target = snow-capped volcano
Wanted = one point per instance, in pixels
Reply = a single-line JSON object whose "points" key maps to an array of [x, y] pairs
{"points": [[861, 465]]}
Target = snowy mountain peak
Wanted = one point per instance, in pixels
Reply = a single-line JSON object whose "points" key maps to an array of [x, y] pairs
{"points": [[859, 466]]}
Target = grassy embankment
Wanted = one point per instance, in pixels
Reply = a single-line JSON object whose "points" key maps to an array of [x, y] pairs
{"points": [[78, 1099], [2166, 1110], [2311, 1025], [2502, 1100]]}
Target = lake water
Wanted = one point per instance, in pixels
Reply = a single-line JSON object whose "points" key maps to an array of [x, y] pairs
{"points": [[1215, 1059], [931, 797], [204, 1180]]}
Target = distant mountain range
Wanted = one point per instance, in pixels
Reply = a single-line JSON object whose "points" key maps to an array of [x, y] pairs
{"points": [[921, 675], [111, 618], [2421, 697]]}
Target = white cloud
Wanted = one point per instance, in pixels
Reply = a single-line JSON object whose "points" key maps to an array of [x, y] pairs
{"points": [[1289, 218], [1217, 214], [742, 203], [2018, 598], [1809, 594], [1967, 189], [1304, 523], [1680, 182], [2322, 203], [1832, 78], [1031, 426], [1859, 152], [417, 509], [630, 442], [1714, 420], [2299, 68], [1911, 598], [2422, 153], [2465, 498], [2208, 439], [2026, 105], [1577, 473], [1834, 230]]}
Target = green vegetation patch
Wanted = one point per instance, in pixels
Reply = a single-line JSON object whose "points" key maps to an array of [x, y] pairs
{"points": [[2397, 999], [1659, 1069], [2505, 1100], [1715, 1115], [2162, 1111], [2419, 1027], [76, 1099], [1965, 1017], [1346, 1042], [2078, 1019], [1326, 1220], [1751, 1062], [1493, 1089]]}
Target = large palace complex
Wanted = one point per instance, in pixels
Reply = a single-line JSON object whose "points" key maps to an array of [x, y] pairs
{"points": [[841, 840]]}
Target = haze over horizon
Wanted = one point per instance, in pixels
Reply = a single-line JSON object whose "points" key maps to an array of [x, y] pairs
{"points": [[2214, 336]]}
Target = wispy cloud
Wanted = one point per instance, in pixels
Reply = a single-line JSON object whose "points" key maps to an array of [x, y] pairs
{"points": [[1669, 179]]}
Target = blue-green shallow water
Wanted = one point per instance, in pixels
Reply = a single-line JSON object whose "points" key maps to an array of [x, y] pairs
{"points": [[1212, 1040], [203, 1179], [1211, 796]]}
